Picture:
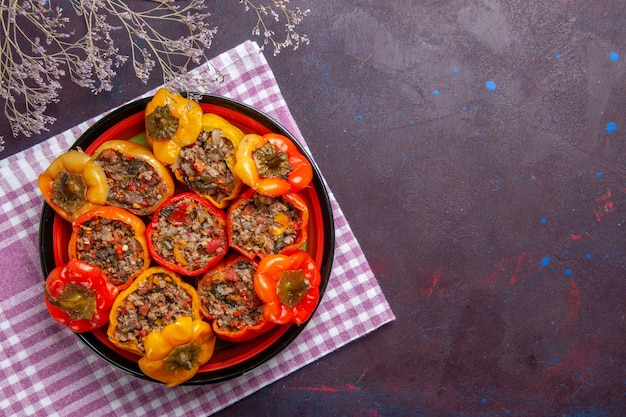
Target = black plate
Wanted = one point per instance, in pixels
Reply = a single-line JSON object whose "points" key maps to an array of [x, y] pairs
{"points": [[103, 350]]}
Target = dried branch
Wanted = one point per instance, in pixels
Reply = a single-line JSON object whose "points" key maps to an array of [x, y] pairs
{"points": [[37, 52], [268, 15]]}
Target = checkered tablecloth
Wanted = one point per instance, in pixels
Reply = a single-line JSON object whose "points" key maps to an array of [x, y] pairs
{"points": [[46, 370]]}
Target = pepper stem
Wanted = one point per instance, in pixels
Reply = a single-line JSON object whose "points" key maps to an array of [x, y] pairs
{"points": [[291, 288], [183, 357], [272, 162], [68, 190], [161, 124], [79, 302]]}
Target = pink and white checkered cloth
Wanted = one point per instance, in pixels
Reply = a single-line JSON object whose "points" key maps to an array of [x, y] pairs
{"points": [[46, 370]]}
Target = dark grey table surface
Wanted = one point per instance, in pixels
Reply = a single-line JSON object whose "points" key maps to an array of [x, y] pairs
{"points": [[477, 150]]}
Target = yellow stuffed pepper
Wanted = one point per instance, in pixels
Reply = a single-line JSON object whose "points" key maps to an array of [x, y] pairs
{"points": [[175, 354], [172, 122], [73, 184]]}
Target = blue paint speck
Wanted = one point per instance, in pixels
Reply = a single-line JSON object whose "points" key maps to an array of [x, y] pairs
{"points": [[588, 256], [455, 69], [464, 108], [557, 56], [614, 56], [544, 221], [359, 116], [435, 93], [568, 272], [491, 85], [484, 400], [599, 175], [553, 361], [545, 261], [610, 127]]}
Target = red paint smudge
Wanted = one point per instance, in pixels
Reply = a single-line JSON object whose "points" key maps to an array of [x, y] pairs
{"points": [[575, 237], [379, 266], [606, 205], [429, 292], [518, 268], [491, 277], [573, 303], [333, 390], [575, 364], [511, 269], [606, 195]]}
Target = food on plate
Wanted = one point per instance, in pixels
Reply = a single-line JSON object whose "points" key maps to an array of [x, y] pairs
{"points": [[289, 287], [194, 236], [187, 234], [79, 296], [259, 225], [272, 164], [155, 299], [112, 239], [174, 355], [228, 300], [72, 184], [137, 181], [172, 122], [206, 165]]}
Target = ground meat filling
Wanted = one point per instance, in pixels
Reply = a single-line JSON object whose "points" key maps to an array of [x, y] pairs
{"points": [[229, 298], [265, 225], [202, 165], [155, 303], [134, 184], [112, 246], [188, 235]]}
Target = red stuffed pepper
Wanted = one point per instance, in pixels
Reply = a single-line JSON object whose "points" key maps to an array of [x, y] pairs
{"points": [[79, 296], [228, 300], [289, 287], [259, 225], [272, 164], [187, 234]]}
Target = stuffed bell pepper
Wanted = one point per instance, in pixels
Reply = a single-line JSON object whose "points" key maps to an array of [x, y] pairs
{"points": [[172, 122], [174, 355], [272, 164], [259, 225], [137, 181], [112, 239], [155, 299], [289, 287], [206, 165], [73, 184], [79, 296], [228, 300], [187, 234]]}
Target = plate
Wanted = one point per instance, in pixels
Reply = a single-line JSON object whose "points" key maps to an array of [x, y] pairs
{"points": [[230, 360]]}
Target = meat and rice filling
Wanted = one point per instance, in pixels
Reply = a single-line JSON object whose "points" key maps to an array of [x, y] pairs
{"points": [[134, 184], [229, 298], [265, 225], [155, 303], [112, 246], [202, 165], [188, 235]]}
